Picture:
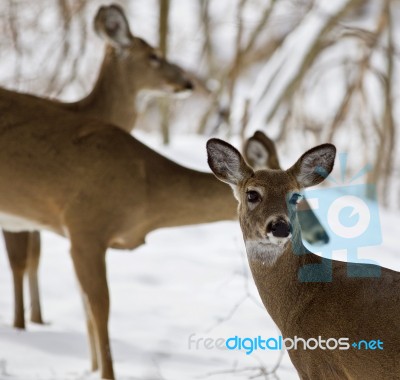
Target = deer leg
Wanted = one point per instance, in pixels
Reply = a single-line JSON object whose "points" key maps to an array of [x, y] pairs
{"points": [[17, 250], [90, 268], [93, 344], [33, 264]]}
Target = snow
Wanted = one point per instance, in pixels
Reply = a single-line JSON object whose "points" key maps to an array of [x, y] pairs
{"points": [[183, 281]]}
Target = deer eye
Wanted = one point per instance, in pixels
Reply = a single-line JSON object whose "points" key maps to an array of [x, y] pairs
{"points": [[154, 60], [295, 198], [253, 196]]}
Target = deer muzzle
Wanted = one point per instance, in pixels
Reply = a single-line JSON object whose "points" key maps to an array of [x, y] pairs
{"points": [[279, 231]]}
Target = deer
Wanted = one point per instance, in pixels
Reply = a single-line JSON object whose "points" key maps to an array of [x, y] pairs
{"points": [[98, 186], [260, 153], [301, 304], [129, 66]]}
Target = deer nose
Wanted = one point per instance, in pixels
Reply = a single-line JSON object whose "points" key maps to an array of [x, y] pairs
{"points": [[189, 86], [280, 228]]}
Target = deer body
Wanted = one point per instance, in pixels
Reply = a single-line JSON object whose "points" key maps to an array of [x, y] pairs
{"points": [[138, 177], [98, 186], [364, 308], [139, 173], [129, 66]]}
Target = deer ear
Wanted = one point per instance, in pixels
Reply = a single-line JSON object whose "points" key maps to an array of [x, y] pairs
{"points": [[314, 165], [111, 24], [256, 154], [227, 163], [260, 152]]}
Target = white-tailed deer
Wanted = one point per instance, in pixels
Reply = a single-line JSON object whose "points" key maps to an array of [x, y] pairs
{"points": [[98, 186], [130, 65], [260, 152], [365, 308]]}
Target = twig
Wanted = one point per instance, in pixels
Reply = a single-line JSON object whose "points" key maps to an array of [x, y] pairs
{"points": [[12, 21], [388, 117], [208, 47], [163, 46], [260, 371]]}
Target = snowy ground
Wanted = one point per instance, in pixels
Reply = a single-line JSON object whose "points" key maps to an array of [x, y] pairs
{"points": [[183, 281]]}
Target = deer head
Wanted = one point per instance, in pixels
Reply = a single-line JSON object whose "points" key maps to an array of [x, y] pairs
{"points": [[155, 72], [261, 153], [268, 198]]}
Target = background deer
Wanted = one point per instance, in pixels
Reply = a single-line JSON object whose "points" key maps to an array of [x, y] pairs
{"points": [[130, 65], [364, 308], [98, 186], [260, 152]]}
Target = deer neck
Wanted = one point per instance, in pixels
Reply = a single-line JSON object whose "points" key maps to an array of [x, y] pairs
{"points": [[190, 197], [113, 98], [281, 284]]}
